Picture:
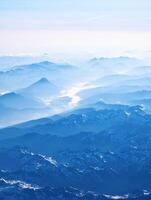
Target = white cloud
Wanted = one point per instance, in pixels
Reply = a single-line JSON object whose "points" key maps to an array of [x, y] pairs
{"points": [[74, 42]]}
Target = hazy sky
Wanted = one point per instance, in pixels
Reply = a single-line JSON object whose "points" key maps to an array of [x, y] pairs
{"points": [[60, 27]]}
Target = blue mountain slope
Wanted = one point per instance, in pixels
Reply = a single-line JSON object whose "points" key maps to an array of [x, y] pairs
{"points": [[41, 89], [91, 150], [10, 190]]}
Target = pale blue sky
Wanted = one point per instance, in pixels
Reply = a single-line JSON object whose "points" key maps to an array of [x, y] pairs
{"points": [[76, 14], [89, 26]]}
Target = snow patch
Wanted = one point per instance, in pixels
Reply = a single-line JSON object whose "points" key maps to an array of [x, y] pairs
{"points": [[49, 159], [20, 183]]}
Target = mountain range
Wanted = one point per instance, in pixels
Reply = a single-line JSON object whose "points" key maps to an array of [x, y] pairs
{"points": [[76, 132]]}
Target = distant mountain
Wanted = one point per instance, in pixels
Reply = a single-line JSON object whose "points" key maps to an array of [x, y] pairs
{"points": [[6, 115], [143, 70], [142, 80], [111, 90], [45, 65], [97, 68], [116, 64], [100, 105], [41, 89], [7, 62], [9, 116], [17, 101], [12, 79], [115, 60], [92, 96], [16, 108], [114, 79], [38, 100]]}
